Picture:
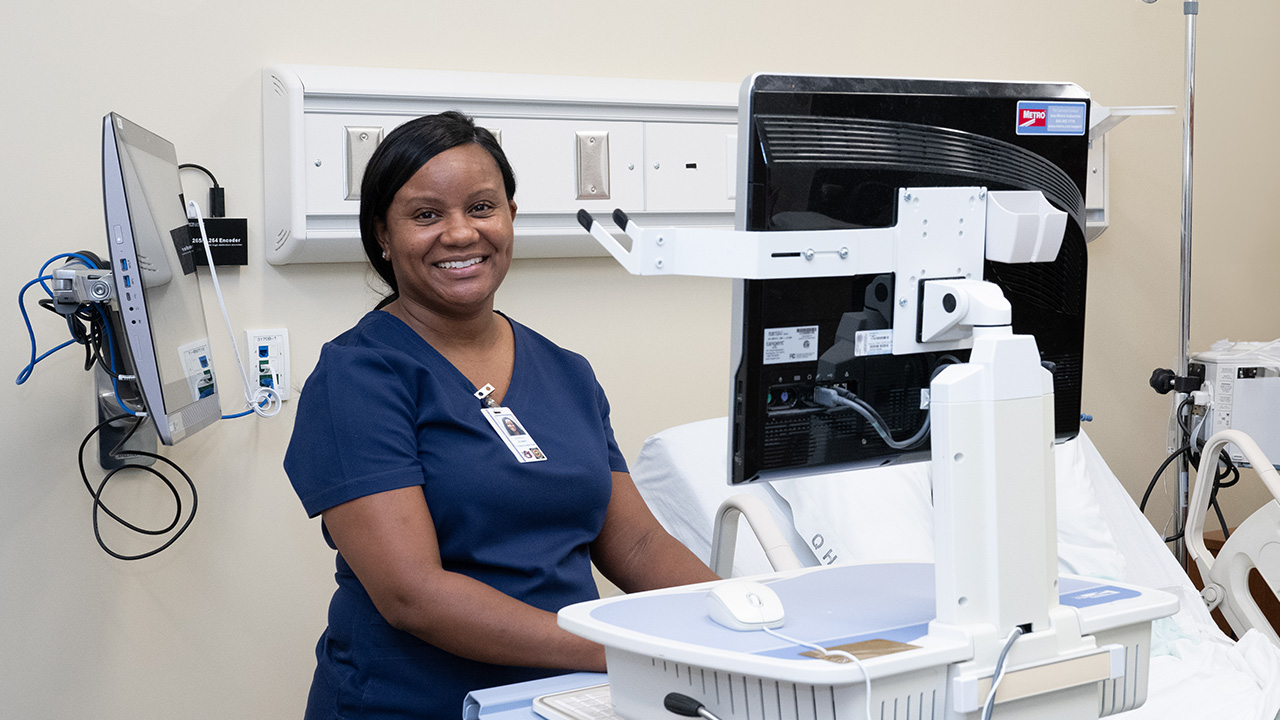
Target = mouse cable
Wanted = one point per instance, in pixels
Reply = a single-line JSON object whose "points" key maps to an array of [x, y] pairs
{"points": [[998, 674], [99, 506], [866, 677]]}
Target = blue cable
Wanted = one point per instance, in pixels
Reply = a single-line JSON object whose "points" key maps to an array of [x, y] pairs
{"points": [[31, 333], [54, 259], [246, 412], [26, 319]]}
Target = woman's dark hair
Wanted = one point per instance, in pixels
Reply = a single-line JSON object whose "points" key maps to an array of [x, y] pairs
{"points": [[404, 151]]}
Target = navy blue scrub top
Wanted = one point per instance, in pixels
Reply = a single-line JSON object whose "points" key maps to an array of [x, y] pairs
{"points": [[383, 410]]}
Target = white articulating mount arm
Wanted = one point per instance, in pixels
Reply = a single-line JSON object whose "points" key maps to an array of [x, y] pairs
{"points": [[940, 233]]}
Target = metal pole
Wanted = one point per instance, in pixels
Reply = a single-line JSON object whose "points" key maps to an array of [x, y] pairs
{"points": [[1191, 10]]}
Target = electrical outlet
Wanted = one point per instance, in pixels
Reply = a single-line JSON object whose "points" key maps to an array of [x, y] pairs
{"points": [[268, 359]]}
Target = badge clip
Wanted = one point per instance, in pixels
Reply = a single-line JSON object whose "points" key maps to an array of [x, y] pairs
{"points": [[483, 395]]}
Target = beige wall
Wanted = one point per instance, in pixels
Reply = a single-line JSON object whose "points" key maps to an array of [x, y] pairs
{"points": [[222, 625]]}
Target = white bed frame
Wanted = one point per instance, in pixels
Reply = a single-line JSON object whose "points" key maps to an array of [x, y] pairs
{"points": [[1254, 545]]}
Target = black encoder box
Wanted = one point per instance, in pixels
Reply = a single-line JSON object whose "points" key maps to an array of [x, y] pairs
{"points": [[228, 241]]}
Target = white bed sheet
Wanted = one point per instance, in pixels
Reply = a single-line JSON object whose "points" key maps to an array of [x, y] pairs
{"points": [[882, 514]]}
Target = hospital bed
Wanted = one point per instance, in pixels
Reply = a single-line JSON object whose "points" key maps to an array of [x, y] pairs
{"points": [[884, 514]]}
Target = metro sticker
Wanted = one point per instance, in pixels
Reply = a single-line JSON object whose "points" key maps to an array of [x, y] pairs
{"points": [[1032, 117], [1050, 118]]}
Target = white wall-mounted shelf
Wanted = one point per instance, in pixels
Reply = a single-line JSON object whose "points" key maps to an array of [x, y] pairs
{"points": [[670, 158], [1097, 194]]}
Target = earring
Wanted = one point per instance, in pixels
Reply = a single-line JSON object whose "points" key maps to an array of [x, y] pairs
{"points": [[384, 254]]}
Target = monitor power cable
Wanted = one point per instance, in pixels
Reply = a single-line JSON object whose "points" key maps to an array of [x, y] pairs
{"points": [[100, 507]]}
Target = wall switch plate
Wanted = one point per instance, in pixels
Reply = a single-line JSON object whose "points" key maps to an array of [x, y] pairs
{"points": [[361, 142], [593, 165], [267, 357]]}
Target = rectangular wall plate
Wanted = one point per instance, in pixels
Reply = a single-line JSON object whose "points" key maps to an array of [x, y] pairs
{"points": [[321, 123], [361, 142], [267, 359], [593, 164]]}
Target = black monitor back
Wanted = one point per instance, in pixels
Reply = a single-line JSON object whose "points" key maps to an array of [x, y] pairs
{"points": [[828, 153]]}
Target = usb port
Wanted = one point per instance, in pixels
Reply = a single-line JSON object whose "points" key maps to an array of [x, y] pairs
{"points": [[124, 264], [128, 282]]}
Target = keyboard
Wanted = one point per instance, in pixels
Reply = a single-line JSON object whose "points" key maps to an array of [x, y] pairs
{"points": [[588, 703]]}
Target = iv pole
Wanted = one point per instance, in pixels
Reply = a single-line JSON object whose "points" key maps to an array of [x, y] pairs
{"points": [[1191, 10], [1163, 380]]}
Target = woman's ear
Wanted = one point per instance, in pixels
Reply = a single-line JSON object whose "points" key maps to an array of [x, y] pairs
{"points": [[380, 232]]}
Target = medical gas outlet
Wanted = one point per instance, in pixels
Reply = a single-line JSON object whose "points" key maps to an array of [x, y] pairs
{"points": [[268, 359]]}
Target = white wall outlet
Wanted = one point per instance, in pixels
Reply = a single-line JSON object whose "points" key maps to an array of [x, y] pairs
{"points": [[267, 357]]}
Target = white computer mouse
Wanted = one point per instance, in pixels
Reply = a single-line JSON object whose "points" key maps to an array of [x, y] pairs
{"points": [[745, 605]]}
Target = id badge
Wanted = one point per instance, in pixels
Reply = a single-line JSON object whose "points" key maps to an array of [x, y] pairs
{"points": [[513, 434]]}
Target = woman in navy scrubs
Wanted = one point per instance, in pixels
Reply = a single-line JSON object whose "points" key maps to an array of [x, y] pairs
{"points": [[457, 541]]}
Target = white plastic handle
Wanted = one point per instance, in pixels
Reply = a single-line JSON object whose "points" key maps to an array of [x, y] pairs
{"points": [[1204, 485], [725, 535]]}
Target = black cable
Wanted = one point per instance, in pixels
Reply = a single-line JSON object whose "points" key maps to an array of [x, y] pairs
{"points": [[1177, 414], [1226, 469], [118, 453], [1142, 506], [87, 327], [217, 194], [1217, 510], [201, 168], [1213, 493]]}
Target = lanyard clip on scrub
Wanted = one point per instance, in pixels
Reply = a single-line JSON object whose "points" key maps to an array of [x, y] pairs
{"points": [[510, 431], [485, 394]]}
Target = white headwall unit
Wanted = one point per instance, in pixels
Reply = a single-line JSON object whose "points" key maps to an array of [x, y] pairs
{"points": [[668, 155]]}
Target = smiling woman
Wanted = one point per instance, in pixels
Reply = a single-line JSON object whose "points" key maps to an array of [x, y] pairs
{"points": [[458, 540], [448, 234]]}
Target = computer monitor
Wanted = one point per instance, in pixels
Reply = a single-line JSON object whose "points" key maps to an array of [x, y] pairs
{"points": [[161, 331], [831, 152]]}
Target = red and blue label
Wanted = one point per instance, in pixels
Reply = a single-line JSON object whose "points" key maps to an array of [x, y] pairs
{"points": [[1051, 118]]}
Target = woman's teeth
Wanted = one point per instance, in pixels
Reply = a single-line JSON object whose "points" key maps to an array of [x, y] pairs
{"points": [[455, 264]]}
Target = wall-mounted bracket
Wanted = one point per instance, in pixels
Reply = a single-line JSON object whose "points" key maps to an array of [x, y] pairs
{"points": [[1101, 120]]}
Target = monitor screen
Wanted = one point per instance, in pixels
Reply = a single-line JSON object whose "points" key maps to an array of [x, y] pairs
{"points": [[827, 153], [166, 341]]}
